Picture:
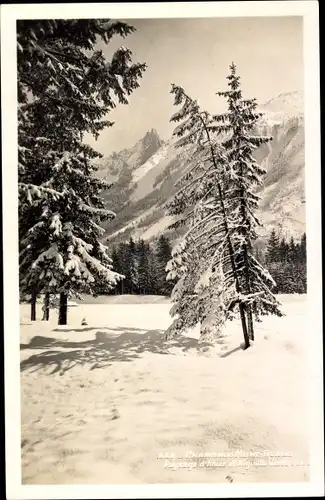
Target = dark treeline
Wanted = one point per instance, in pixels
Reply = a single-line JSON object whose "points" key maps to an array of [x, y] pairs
{"points": [[286, 260], [144, 266]]}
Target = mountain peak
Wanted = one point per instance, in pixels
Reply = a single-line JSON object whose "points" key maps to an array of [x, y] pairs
{"points": [[289, 103], [147, 146], [151, 136]]}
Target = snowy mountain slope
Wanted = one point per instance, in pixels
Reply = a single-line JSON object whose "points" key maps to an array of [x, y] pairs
{"points": [[289, 103], [144, 176], [282, 204], [133, 157]]}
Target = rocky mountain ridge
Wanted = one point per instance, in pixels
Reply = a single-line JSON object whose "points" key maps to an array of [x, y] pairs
{"points": [[144, 177]]}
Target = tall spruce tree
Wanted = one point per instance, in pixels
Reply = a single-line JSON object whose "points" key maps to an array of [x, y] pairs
{"points": [[303, 247], [163, 255], [200, 203], [65, 89], [272, 250], [154, 272], [292, 250], [302, 261], [283, 250], [239, 125], [144, 281], [126, 263], [134, 265], [217, 200]]}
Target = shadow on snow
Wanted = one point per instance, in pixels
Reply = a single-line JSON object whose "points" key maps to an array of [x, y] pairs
{"points": [[114, 345]]}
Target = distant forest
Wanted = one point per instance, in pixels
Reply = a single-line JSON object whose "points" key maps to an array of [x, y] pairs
{"points": [[287, 263], [143, 265]]}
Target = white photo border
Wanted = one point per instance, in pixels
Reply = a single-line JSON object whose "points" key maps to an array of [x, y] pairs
{"points": [[9, 14]]}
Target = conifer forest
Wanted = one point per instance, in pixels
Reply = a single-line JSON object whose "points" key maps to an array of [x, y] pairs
{"points": [[162, 251]]}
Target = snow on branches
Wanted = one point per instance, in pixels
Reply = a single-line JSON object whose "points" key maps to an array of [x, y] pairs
{"points": [[66, 88], [217, 202]]}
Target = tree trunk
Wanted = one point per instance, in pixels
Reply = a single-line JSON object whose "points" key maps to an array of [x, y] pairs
{"points": [[244, 325], [250, 323], [248, 289], [46, 314], [33, 307], [63, 309]]}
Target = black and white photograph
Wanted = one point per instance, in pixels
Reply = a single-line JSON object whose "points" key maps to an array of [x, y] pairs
{"points": [[162, 255]]}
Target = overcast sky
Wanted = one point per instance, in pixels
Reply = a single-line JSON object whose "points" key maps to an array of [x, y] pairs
{"points": [[196, 53]]}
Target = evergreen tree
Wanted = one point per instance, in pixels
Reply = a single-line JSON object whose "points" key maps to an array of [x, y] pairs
{"points": [[283, 251], [292, 250], [303, 248], [272, 250], [65, 89], [302, 259], [134, 266], [163, 255], [154, 273], [125, 259], [239, 124], [200, 204], [144, 281]]}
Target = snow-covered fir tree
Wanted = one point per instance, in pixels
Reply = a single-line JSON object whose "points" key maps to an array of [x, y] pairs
{"points": [[162, 255], [183, 268], [239, 124], [143, 251], [272, 249], [217, 201], [207, 246], [65, 89]]}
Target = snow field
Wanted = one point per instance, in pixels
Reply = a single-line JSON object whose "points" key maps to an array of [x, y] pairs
{"points": [[112, 402]]}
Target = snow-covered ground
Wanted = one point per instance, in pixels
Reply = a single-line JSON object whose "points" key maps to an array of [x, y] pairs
{"points": [[112, 402]]}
